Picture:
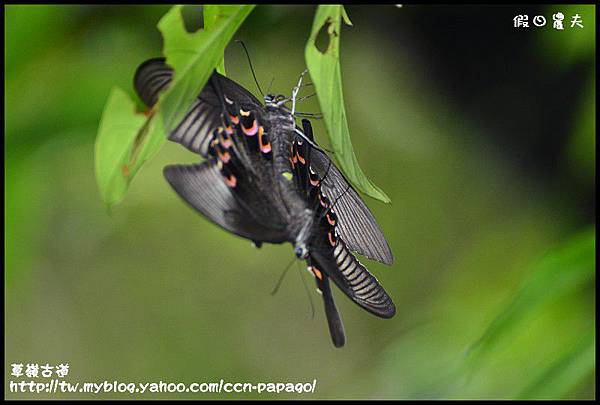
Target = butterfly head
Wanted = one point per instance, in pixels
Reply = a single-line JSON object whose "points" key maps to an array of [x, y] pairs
{"points": [[275, 100], [301, 251]]}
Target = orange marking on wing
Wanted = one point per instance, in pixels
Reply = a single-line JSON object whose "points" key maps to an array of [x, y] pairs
{"points": [[264, 147], [235, 119], [332, 239], [330, 220], [300, 158], [252, 130], [323, 200], [317, 273], [226, 141], [231, 180], [225, 157]]}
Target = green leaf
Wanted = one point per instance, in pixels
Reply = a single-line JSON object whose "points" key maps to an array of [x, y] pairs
{"points": [[562, 271], [193, 56], [127, 140], [325, 72], [211, 12], [120, 138], [565, 374], [153, 138]]}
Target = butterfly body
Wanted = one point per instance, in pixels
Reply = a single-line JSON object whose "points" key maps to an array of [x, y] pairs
{"points": [[266, 180]]}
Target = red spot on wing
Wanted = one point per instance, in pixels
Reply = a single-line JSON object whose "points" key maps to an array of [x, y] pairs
{"points": [[224, 156], [330, 219], [323, 201], [263, 140], [252, 130], [332, 238], [317, 273], [231, 180]]}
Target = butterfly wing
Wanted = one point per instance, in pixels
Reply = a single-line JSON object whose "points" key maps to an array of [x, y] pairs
{"points": [[202, 187], [328, 248], [353, 279], [226, 125], [194, 132], [356, 224]]}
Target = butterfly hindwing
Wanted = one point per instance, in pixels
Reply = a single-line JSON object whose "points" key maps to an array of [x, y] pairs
{"points": [[152, 78], [220, 95], [354, 279], [202, 186], [357, 226]]}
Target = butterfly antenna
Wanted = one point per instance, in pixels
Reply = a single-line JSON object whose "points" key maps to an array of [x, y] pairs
{"points": [[251, 67], [312, 307], [270, 84], [282, 276]]}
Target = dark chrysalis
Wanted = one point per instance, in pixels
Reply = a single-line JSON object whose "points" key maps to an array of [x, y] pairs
{"points": [[265, 179]]}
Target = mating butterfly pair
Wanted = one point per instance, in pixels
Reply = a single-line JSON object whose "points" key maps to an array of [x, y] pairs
{"points": [[265, 179]]}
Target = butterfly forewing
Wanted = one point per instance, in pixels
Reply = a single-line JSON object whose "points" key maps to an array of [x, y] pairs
{"points": [[202, 187], [357, 226], [205, 114]]}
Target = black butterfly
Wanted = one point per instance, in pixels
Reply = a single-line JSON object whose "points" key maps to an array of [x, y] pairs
{"points": [[265, 179]]}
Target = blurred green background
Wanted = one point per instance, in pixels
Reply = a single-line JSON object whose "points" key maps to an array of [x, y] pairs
{"points": [[483, 136]]}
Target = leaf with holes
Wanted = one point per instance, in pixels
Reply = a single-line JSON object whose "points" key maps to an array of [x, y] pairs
{"points": [[126, 140], [193, 56], [325, 71]]}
